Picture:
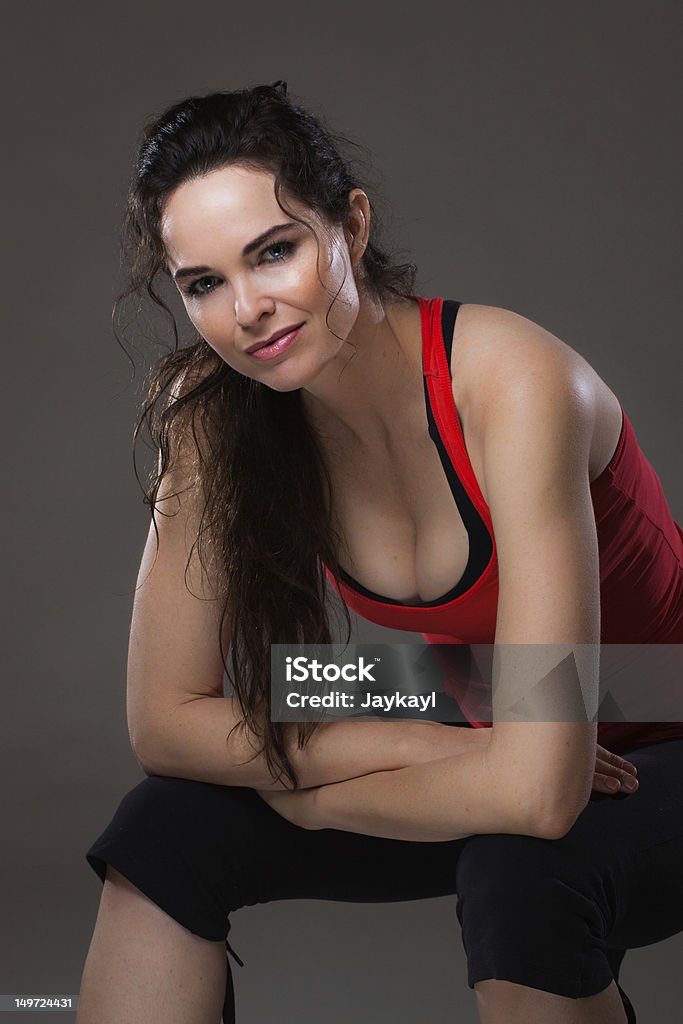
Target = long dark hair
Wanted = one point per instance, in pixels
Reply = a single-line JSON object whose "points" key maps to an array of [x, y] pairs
{"points": [[267, 526]]}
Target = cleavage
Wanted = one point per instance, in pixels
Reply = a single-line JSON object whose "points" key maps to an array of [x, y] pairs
{"points": [[402, 533]]}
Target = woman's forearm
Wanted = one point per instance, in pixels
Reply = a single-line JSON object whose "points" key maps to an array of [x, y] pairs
{"points": [[190, 742], [450, 798]]}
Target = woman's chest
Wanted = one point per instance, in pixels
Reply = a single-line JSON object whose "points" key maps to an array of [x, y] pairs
{"points": [[398, 509], [402, 534]]}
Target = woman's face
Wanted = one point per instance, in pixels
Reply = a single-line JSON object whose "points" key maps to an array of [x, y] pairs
{"points": [[237, 293]]}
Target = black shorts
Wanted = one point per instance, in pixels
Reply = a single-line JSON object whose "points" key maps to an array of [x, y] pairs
{"points": [[556, 915]]}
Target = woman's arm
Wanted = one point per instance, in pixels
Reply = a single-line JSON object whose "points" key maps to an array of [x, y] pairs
{"points": [[191, 744], [449, 798], [537, 414], [415, 803]]}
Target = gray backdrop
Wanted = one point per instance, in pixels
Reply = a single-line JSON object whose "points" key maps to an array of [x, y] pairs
{"points": [[531, 154]]}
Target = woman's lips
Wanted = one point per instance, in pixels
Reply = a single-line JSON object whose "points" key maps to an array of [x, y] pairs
{"points": [[277, 346]]}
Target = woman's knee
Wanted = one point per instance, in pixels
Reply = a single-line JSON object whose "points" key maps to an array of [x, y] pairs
{"points": [[117, 882], [120, 894], [520, 900], [177, 842]]}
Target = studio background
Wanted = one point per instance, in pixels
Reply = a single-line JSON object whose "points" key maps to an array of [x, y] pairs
{"points": [[529, 156]]}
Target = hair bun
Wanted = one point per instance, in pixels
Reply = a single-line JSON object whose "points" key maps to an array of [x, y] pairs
{"points": [[280, 84]]}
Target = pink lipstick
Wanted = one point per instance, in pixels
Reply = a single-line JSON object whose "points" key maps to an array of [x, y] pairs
{"points": [[277, 346]]}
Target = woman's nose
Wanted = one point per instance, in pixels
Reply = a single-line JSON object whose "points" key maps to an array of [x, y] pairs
{"points": [[250, 307]]}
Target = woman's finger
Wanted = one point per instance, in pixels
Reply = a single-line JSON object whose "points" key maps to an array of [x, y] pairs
{"points": [[614, 771], [610, 779], [606, 783], [615, 760]]}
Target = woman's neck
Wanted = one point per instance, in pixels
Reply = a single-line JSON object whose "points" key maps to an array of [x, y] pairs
{"points": [[375, 379]]}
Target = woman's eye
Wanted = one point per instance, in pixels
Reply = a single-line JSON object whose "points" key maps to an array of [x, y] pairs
{"points": [[284, 247], [202, 285], [196, 288]]}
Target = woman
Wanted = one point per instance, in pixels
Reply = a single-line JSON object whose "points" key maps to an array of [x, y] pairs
{"points": [[318, 426]]}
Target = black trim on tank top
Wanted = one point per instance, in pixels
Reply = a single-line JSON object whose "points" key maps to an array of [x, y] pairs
{"points": [[480, 543]]}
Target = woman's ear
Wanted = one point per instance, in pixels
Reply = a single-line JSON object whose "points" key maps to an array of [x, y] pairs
{"points": [[359, 220]]}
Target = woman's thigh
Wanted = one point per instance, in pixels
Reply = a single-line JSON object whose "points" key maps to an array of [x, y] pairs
{"points": [[201, 851], [638, 838], [554, 914], [618, 871]]}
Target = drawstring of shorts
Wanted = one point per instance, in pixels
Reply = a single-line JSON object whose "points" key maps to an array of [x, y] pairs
{"points": [[234, 954], [228, 1015]]}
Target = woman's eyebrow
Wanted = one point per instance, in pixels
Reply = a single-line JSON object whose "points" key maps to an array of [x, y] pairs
{"points": [[248, 248]]}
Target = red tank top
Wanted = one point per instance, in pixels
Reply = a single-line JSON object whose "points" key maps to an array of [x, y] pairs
{"points": [[640, 548]]}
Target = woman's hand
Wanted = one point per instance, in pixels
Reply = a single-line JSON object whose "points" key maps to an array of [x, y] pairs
{"points": [[611, 771], [295, 805]]}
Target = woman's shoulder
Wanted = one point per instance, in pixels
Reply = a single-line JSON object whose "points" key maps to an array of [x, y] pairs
{"points": [[495, 347], [497, 351], [483, 336]]}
